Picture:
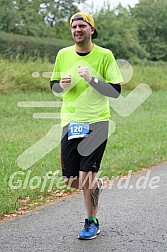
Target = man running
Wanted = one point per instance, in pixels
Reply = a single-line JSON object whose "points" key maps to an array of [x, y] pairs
{"points": [[86, 75]]}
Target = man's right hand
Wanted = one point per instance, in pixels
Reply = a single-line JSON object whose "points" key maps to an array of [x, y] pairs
{"points": [[65, 82]]}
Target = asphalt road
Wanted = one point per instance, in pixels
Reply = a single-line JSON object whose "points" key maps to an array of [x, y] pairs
{"points": [[132, 215]]}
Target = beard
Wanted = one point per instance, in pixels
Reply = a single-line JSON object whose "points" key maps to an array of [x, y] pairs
{"points": [[81, 38]]}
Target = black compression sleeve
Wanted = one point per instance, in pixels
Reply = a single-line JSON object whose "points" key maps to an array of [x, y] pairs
{"points": [[107, 89], [55, 86]]}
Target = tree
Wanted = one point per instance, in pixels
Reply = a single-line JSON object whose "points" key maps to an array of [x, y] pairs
{"points": [[7, 15], [118, 32], [29, 19], [36, 17], [57, 14], [60, 10], [151, 17]]}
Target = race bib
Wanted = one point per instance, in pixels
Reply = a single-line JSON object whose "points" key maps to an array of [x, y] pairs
{"points": [[77, 130]]}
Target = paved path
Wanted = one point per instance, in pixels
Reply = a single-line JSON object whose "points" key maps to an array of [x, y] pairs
{"points": [[132, 220]]}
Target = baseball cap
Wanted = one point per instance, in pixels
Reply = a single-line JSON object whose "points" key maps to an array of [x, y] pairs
{"points": [[85, 16]]}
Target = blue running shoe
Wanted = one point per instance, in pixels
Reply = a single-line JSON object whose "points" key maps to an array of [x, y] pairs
{"points": [[90, 230]]}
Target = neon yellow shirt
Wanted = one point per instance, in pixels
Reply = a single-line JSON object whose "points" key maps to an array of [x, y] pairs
{"points": [[81, 102]]}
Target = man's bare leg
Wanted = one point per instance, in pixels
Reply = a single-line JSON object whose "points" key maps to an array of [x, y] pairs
{"points": [[88, 182]]}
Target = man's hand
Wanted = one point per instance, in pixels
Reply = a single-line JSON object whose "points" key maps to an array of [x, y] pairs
{"points": [[65, 82], [84, 73]]}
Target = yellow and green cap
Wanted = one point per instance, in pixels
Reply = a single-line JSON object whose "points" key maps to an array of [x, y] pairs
{"points": [[85, 16]]}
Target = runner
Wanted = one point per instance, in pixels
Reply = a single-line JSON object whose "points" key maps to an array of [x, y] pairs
{"points": [[85, 74]]}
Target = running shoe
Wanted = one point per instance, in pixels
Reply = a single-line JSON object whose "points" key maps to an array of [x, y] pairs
{"points": [[100, 186], [90, 230]]}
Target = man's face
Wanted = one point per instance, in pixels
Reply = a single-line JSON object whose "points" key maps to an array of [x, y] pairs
{"points": [[81, 31]]}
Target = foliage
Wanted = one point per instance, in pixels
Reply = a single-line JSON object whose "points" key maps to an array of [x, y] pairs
{"points": [[16, 76], [133, 33], [119, 33], [24, 47], [8, 15], [151, 17], [35, 17], [60, 10]]}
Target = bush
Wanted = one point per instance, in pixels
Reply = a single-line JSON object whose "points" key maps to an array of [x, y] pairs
{"points": [[25, 47]]}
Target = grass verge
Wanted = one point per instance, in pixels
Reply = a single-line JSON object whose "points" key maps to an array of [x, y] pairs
{"points": [[16, 76], [139, 141]]}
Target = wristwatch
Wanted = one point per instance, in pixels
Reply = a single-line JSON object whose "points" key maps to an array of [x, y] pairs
{"points": [[95, 80]]}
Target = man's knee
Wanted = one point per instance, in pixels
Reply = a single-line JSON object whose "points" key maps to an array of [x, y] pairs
{"points": [[71, 182], [87, 180]]}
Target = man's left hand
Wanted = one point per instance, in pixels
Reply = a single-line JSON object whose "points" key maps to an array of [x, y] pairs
{"points": [[84, 73]]}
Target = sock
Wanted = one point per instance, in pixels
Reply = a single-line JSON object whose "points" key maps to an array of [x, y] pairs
{"points": [[92, 218]]}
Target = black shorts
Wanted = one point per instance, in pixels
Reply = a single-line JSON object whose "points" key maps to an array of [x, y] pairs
{"points": [[83, 154]]}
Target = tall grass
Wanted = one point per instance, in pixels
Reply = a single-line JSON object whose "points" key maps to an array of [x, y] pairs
{"points": [[155, 76], [17, 76]]}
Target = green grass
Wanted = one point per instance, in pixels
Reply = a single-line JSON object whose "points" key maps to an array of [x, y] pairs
{"points": [[16, 75], [155, 76], [139, 141]]}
